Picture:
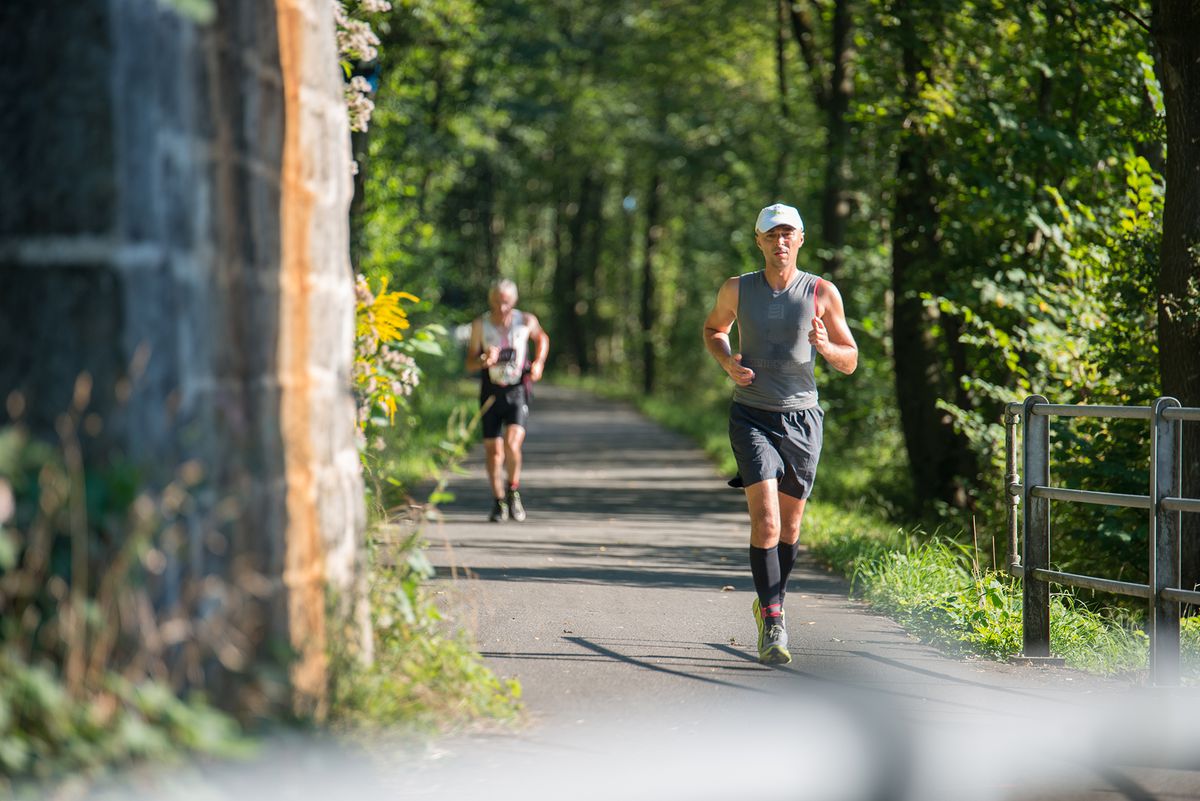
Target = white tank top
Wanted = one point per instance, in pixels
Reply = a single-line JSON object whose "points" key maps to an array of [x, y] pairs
{"points": [[513, 342]]}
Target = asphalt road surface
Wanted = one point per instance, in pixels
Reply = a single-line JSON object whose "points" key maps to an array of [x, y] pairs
{"points": [[622, 605]]}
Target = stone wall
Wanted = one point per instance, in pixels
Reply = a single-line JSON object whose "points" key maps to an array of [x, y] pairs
{"points": [[173, 222]]}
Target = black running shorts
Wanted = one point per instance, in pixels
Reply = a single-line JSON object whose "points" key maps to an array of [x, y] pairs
{"points": [[510, 407], [785, 446]]}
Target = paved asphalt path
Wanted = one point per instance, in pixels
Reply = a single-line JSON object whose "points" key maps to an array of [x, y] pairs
{"points": [[622, 605]]}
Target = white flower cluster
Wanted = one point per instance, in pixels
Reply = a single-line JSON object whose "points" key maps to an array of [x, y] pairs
{"points": [[403, 368], [354, 36], [359, 105], [363, 296], [357, 42]]}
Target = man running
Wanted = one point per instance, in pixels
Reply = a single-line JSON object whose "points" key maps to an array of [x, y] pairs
{"points": [[783, 315], [499, 348]]}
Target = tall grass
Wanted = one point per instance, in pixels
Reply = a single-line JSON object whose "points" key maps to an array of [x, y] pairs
{"points": [[91, 670]]}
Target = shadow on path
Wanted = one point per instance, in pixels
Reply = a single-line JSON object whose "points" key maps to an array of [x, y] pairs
{"points": [[642, 663]]}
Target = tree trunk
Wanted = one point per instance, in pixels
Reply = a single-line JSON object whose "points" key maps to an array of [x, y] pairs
{"points": [[936, 452], [590, 274], [1176, 30], [832, 96], [489, 222], [779, 178], [569, 292], [560, 304], [574, 300], [781, 58], [648, 310], [626, 277], [835, 200]]}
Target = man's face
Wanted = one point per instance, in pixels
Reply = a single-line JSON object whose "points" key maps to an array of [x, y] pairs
{"points": [[780, 243], [501, 302]]}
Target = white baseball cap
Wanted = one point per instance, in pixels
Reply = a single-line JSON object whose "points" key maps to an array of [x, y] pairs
{"points": [[778, 214]]}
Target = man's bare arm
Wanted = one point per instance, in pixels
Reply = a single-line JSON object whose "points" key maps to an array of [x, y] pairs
{"points": [[830, 335], [717, 326], [477, 359], [541, 343]]}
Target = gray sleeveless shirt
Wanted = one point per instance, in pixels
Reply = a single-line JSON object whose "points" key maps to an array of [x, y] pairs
{"points": [[773, 336]]}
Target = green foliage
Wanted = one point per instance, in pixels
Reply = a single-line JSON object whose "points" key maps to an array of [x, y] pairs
{"points": [[81, 686], [494, 120], [1189, 643], [47, 732], [201, 12], [927, 589], [423, 677], [1020, 124], [1085, 328]]}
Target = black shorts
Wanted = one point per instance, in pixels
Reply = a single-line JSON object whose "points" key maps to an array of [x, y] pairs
{"points": [[785, 446], [509, 407]]}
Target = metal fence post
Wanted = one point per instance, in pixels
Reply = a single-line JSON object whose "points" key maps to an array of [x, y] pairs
{"points": [[1165, 481], [1036, 468], [1011, 479]]}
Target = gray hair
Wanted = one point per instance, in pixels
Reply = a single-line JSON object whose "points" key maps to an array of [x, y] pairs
{"points": [[504, 285]]}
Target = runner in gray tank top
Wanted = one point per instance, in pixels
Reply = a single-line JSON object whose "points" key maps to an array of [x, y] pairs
{"points": [[784, 318], [773, 331]]}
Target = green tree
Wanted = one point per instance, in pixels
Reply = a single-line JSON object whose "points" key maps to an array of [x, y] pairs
{"points": [[1176, 30]]}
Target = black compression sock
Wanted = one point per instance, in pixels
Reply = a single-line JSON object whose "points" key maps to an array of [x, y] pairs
{"points": [[764, 566], [787, 560]]}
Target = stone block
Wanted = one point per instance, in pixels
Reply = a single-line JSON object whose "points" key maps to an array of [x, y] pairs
{"points": [[328, 312], [57, 162], [264, 206], [137, 120], [56, 323], [268, 445], [265, 34], [339, 496], [230, 90], [150, 337], [263, 324], [201, 80], [180, 193], [265, 118], [172, 49]]}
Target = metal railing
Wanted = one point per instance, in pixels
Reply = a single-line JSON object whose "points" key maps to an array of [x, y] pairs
{"points": [[1164, 504]]}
